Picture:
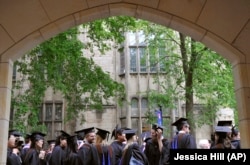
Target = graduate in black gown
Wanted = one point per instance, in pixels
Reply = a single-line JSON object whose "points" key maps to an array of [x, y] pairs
{"points": [[35, 155], [58, 153], [26, 146], [118, 144], [183, 139], [13, 157], [51, 146], [87, 153], [157, 148], [131, 152], [104, 150], [71, 157], [235, 138]]}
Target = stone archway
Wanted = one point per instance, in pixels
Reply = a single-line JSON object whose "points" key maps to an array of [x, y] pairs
{"points": [[221, 25]]}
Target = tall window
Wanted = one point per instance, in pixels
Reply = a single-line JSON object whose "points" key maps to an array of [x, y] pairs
{"points": [[144, 105], [142, 59], [51, 115], [134, 107], [133, 60]]}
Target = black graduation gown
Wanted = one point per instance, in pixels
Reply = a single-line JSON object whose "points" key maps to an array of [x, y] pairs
{"points": [[13, 159], [23, 152], [105, 153], [32, 158], [185, 141], [134, 151], [88, 155], [153, 154], [72, 159], [57, 156], [117, 148]]}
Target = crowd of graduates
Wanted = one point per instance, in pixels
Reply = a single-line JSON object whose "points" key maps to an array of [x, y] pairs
{"points": [[90, 146]]}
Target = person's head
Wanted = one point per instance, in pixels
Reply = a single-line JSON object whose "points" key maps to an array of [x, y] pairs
{"points": [[130, 135], [235, 135], [221, 133], [155, 130], [13, 138], [102, 136], [27, 138], [118, 134], [204, 144], [51, 144], [62, 139], [182, 125], [72, 143], [37, 140], [89, 134]]}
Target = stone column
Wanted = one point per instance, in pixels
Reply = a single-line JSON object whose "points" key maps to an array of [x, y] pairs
{"points": [[6, 69], [242, 91]]}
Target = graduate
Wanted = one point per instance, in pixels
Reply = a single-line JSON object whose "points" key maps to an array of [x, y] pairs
{"points": [[51, 146], [35, 155], [104, 150], [222, 138], [157, 148], [118, 144], [58, 153], [132, 153], [183, 139], [71, 157], [87, 153], [13, 157]]}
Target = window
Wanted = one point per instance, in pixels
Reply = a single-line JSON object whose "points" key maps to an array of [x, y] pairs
{"points": [[51, 115], [133, 61], [134, 107], [144, 105], [143, 59]]}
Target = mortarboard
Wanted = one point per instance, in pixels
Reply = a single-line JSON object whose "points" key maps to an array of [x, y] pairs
{"points": [[116, 131], [14, 133], [224, 123], [156, 126], [103, 133], [28, 135], [35, 136], [64, 134], [179, 123], [129, 133], [86, 131], [222, 129], [51, 141]]}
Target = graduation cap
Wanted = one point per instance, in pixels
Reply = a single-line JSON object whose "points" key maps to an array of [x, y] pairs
{"points": [[222, 129], [85, 131], [129, 133], [64, 134], [103, 133], [157, 126], [224, 123], [28, 135], [117, 131], [51, 141], [15, 133], [35, 136], [179, 123]]}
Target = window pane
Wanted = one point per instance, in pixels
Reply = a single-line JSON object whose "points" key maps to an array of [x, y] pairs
{"points": [[143, 59], [144, 106], [48, 111], [152, 60], [58, 112], [162, 58], [132, 38], [133, 61], [134, 107]]}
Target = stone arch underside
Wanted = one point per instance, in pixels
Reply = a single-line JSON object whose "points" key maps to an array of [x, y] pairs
{"points": [[23, 25]]}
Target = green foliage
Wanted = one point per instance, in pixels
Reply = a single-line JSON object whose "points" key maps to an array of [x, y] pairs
{"points": [[58, 63]]}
